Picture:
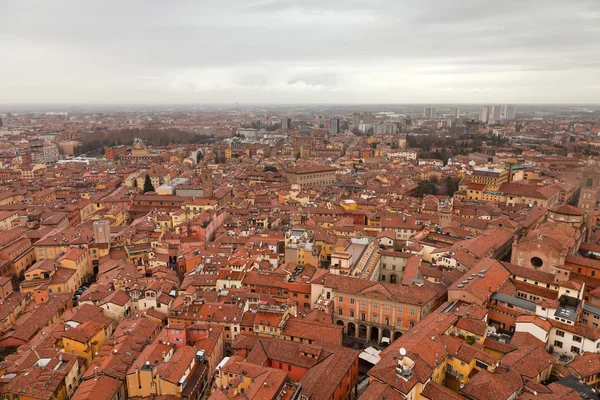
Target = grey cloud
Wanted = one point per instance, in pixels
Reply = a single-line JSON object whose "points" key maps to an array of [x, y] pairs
{"points": [[284, 50]]}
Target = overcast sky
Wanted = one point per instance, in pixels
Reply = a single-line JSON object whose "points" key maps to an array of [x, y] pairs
{"points": [[299, 51]]}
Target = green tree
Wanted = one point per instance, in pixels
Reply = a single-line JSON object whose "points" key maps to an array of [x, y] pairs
{"points": [[148, 186], [426, 187], [270, 168], [451, 185]]}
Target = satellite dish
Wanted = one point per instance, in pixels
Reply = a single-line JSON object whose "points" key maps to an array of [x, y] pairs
{"points": [[402, 351]]}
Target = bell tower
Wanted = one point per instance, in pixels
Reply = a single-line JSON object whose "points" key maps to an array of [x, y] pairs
{"points": [[589, 200], [207, 185]]}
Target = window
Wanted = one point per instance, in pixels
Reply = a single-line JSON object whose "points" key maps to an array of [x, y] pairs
{"points": [[536, 262], [341, 311], [352, 313], [364, 303], [574, 349], [558, 344], [341, 299], [374, 317], [412, 311], [560, 333], [363, 316], [399, 309], [374, 305], [577, 339]]}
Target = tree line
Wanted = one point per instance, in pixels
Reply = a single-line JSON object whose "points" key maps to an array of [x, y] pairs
{"points": [[96, 141]]}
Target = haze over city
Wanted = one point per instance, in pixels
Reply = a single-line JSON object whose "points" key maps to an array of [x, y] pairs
{"points": [[299, 200], [270, 51]]}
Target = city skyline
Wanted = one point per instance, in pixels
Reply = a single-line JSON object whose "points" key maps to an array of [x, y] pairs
{"points": [[299, 53]]}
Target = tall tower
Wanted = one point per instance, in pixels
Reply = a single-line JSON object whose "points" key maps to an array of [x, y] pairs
{"points": [[207, 184], [286, 123], [484, 114], [429, 113], [456, 112], [334, 127], [102, 231], [588, 197], [495, 114], [511, 111]]}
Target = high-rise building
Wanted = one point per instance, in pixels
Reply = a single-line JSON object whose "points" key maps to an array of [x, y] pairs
{"points": [[456, 113], [286, 123], [484, 114], [334, 126], [367, 118], [495, 113], [511, 112], [0, 122], [429, 113], [355, 119]]}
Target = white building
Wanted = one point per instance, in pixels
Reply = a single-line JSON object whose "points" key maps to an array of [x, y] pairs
{"points": [[429, 113], [484, 114]]}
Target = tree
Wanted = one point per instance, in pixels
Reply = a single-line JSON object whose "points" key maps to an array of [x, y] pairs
{"points": [[148, 186], [426, 187], [374, 145], [270, 168], [451, 185]]}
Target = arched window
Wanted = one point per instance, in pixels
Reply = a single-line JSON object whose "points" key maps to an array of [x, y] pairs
{"points": [[589, 182]]}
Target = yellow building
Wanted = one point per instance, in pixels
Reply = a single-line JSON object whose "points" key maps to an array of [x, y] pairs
{"points": [[79, 260], [160, 370], [86, 209], [156, 177], [38, 275], [197, 205], [241, 376], [64, 280], [349, 204], [491, 178], [87, 339]]}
